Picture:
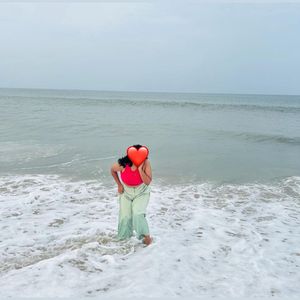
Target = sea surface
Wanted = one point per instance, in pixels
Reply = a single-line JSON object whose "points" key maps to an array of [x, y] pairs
{"points": [[225, 196]]}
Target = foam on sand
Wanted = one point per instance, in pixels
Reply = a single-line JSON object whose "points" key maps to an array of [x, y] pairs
{"points": [[58, 237]]}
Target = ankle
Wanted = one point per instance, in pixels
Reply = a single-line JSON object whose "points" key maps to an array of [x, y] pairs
{"points": [[147, 240]]}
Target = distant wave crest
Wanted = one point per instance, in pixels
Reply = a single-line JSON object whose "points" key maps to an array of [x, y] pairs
{"points": [[257, 137], [169, 103]]}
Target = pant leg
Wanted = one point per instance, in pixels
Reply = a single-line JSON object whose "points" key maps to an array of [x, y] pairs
{"points": [[125, 229], [139, 205]]}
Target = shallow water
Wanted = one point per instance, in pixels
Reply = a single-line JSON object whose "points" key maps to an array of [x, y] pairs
{"points": [[191, 137], [224, 205], [59, 237]]}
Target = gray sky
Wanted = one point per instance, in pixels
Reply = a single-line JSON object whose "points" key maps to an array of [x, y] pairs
{"points": [[157, 46]]}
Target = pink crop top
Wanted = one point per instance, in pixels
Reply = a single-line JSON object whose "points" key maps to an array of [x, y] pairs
{"points": [[130, 177]]}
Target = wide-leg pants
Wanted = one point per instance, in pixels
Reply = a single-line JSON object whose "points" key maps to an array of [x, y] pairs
{"points": [[132, 211]]}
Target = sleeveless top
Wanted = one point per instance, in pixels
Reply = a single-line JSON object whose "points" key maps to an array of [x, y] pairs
{"points": [[130, 177]]}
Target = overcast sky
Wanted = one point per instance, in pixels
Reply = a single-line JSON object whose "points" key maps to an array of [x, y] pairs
{"points": [[157, 46]]}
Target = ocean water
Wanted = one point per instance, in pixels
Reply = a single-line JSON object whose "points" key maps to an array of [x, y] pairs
{"points": [[224, 208]]}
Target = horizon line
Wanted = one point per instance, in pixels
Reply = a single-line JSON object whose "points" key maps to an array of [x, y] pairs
{"points": [[150, 92]]}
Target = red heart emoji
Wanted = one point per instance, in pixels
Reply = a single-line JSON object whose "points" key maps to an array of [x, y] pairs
{"points": [[137, 156]]}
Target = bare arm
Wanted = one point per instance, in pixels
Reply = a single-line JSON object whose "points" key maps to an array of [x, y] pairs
{"points": [[115, 168], [146, 172]]}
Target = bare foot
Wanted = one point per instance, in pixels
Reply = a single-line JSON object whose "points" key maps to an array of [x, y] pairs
{"points": [[147, 240]]}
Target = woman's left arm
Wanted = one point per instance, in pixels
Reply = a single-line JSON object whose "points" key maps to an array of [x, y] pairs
{"points": [[146, 171]]}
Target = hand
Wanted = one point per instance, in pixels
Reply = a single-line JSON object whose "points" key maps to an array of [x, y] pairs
{"points": [[120, 189], [141, 166]]}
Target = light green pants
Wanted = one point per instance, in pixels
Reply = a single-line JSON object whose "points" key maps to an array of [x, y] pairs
{"points": [[132, 213]]}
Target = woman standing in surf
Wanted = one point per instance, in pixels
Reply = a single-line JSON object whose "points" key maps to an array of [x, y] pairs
{"points": [[134, 196]]}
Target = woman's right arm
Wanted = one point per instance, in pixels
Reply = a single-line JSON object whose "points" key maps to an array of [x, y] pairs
{"points": [[115, 168]]}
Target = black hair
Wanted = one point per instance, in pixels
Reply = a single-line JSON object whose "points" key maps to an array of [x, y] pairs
{"points": [[123, 161]]}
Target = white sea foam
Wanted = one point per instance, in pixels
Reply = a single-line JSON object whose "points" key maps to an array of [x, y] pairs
{"points": [[58, 239]]}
